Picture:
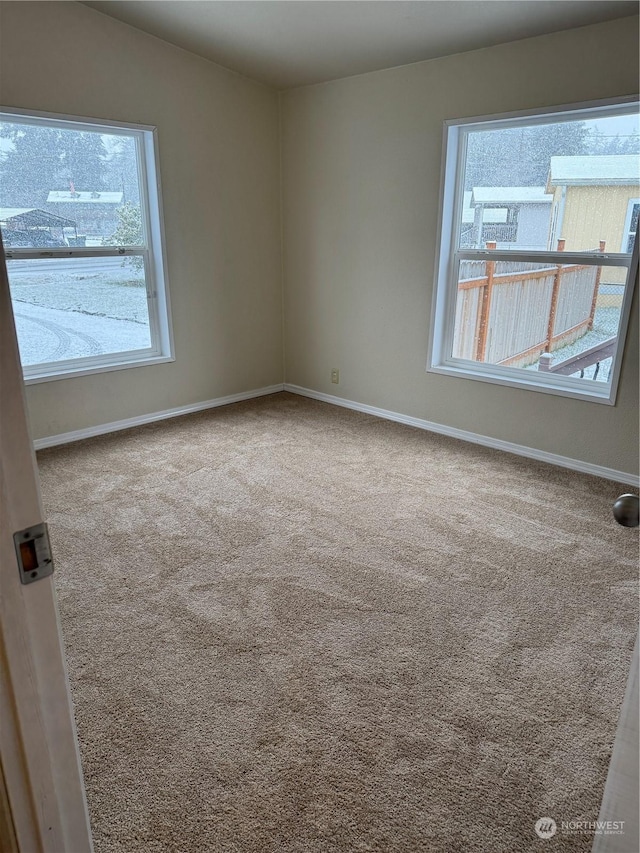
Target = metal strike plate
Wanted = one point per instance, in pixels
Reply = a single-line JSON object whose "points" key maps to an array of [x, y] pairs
{"points": [[33, 552]]}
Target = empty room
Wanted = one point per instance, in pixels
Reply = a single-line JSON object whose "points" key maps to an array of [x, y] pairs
{"points": [[319, 429]]}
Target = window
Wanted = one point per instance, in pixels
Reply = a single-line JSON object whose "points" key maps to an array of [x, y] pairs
{"points": [[630, 225], [538, 248], [81, 225]]}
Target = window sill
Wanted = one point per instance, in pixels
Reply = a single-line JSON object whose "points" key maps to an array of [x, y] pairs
{"points": [[588, 391], [86, 370]]}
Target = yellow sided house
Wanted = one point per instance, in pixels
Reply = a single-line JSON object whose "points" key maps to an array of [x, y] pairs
{"points": [[596, 199], [517, 317]]}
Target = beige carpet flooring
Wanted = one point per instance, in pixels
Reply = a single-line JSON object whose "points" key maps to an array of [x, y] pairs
{"points": [[293, 627]]}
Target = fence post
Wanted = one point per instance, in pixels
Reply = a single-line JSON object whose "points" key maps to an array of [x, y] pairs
{"points": [[545, 361], [553, 307], [596, 287], [485, 308]]}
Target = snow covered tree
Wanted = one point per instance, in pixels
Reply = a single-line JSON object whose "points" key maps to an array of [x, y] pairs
{"points": [[128, 232], [40, 159], [520, 156]]}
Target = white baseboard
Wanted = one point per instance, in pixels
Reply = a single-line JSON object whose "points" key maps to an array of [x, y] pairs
{"points": [[474, 438], [430, 426], [127, 423]]}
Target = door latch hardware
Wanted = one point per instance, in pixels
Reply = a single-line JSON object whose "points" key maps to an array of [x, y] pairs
{"points": [[33, 552]]}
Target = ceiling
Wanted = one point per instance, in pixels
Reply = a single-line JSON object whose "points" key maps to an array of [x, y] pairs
{"points": [[290, 43]]}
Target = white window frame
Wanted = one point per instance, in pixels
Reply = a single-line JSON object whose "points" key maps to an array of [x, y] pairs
{"points": [[627, 232], [152, 252], [448, 257]]}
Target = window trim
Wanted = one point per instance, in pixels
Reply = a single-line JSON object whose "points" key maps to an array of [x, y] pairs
{"points": [[448, 255], [153, 251], [626, 233]]}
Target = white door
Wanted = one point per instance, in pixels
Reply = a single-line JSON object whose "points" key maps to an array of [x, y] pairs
{"points": [[622, 791], [42, 801]]}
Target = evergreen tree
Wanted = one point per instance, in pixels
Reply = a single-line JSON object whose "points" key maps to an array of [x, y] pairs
{"points": [[520, 156], [128, 233], [29, 170], [83, 160], [122, 168], [41, 159], [598, 143]]}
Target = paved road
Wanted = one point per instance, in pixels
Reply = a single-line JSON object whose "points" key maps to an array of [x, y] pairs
{"points": [[76, 266]]}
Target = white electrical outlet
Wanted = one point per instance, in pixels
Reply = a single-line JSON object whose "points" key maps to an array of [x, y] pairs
{"points": [[335, 376]]}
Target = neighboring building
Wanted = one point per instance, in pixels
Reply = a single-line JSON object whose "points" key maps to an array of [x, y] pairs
{"points": [[94, 212], [29, 226], [595, 198], [468, 234], [525, 215]]}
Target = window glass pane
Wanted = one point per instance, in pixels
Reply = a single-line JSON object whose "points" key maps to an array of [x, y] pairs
{"points": [[78, 307], [632, 230], [63, 187], [562, 320], [528, 187]]}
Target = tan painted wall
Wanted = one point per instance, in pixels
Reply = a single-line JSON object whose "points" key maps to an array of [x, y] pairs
{"points": [[362, 159], [362, 167], [219, 165]]}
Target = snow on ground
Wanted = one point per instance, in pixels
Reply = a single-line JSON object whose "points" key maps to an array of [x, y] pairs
{"points": [[605, 326], [102, 286], [74, 308], [103, 299], [49, 334]]}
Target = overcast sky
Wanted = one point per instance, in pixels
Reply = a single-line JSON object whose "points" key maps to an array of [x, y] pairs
{"points": [[620, 125]]}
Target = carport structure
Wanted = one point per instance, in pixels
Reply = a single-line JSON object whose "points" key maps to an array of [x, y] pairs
{"points": [[28, 226]]}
